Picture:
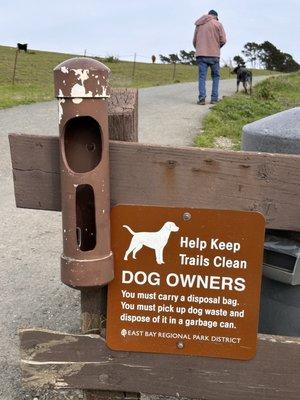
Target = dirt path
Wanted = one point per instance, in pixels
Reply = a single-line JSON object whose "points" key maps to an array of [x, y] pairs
{"points": [[30, 241]]}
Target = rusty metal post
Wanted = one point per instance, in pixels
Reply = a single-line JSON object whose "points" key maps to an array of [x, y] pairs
{"points": [[82, 89]]}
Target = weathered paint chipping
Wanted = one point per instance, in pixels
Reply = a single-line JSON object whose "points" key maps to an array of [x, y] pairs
{"points": [[79, 91], [83, 74], [61, 101], [104, 91]]}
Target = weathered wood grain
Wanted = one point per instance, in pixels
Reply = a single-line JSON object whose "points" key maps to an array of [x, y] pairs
{"points": [[81, 361], [123, 115], [107, 395], [93, 310], [159, 175]]}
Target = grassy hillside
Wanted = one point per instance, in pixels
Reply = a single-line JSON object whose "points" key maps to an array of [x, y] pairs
{"points": [[34, 76], [222, 127]]}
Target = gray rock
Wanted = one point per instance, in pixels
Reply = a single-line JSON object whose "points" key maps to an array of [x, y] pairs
{"points": [[279, 133]]}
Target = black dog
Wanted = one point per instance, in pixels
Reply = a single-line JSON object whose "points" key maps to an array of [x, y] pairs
{"points": [[22, 46], [245, 76]]}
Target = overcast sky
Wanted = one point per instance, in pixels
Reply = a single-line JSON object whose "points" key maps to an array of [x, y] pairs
{"points": [[123, 27]]}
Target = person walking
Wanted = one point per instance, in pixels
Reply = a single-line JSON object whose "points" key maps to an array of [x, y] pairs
{"points": [[209, 37]]}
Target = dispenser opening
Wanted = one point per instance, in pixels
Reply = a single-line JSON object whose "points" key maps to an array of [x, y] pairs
{"points": [[83, 144], [85, 218]]}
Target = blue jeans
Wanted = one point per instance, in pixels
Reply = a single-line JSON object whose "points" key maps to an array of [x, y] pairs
{"points": [[214, 64]]}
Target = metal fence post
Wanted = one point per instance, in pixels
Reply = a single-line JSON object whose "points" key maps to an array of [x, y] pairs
{"points": [[82, 89]]}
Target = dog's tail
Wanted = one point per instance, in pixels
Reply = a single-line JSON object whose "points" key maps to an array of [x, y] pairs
{"points": [[128, 228]]}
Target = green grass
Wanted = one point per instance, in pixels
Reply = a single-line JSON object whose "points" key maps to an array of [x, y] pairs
{"points": [[34, 76], [222, 127]]}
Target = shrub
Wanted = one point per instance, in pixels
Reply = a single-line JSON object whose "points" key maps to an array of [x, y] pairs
{"points": [[265, 90], [111, 59]]}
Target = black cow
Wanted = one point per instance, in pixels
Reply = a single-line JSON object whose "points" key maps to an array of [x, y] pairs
{"points": [[22, 46]]}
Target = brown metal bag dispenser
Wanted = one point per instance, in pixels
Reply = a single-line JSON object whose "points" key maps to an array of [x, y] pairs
{"points": [[82, 89]]}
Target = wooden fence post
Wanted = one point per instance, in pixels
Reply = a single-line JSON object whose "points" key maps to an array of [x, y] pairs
{"points": [[15, 67]]}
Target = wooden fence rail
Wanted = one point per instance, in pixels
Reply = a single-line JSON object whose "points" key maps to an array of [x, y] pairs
{"points": [[66, 361], [165, 176]]}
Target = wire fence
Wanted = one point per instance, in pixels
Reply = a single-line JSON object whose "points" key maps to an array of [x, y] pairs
{"points": [[135, 68], [127, 57], [136, 58], [23, 67]]}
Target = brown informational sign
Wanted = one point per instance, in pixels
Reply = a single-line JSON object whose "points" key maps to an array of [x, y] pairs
{"points": [[187, 281]]}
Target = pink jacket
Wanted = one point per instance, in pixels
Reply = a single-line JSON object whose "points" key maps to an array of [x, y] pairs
{"points": [[209, 36]]}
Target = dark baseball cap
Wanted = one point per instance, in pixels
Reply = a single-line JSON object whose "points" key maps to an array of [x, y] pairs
{"points": [[213, 12]]}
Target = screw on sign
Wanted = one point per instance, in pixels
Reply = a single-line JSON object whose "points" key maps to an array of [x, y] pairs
{"points": [[82, 88], [186, 281]]}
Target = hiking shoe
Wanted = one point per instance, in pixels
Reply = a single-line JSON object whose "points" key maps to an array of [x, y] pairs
{"points": [[201, 102], [214, 102]]}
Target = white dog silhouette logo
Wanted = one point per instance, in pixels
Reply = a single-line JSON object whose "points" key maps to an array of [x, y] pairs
{"points": [[154, 240]]}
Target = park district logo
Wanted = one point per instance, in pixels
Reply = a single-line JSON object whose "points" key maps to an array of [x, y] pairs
{"points": [[154, 240]]}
